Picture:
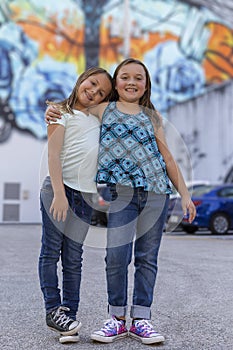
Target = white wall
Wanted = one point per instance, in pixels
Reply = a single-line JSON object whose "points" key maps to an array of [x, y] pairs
{"points": [[21, 158], [206, 126]]}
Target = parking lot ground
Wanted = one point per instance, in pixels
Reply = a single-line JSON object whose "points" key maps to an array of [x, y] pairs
{"points": [[193, 299]]}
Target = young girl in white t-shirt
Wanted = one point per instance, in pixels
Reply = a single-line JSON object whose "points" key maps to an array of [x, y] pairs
{"points": [[65, 199]]}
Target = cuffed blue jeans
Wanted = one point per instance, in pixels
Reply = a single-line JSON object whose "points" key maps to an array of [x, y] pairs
{"points": [[136, 219], [63, 240]]}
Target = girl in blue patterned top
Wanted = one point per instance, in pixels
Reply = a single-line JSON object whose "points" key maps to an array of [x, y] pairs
{"points": [[135, 162]]}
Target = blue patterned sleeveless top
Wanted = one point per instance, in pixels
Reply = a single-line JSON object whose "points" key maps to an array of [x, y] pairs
{"points": [[129, 153]]}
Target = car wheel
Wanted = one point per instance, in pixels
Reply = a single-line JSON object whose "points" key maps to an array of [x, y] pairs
{"points": [[219, 223], [189, 229]]}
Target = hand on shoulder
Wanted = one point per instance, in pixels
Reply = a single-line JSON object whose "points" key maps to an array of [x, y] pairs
{"points": [[52, 113]]}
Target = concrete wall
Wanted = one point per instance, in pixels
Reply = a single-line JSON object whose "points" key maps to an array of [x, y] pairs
{"points": [[23, 166], [205, 127]]}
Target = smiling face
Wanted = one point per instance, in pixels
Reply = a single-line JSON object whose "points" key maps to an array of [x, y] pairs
{"points": [[93, 90], [131, 83]]}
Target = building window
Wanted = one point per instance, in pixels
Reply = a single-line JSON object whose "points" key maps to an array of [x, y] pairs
{"points": [[11, 212], [12, 190]]}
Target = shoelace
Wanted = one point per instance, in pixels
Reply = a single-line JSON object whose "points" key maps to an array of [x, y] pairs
{"points": [[111, 324], [60, 317], [145, 325]]}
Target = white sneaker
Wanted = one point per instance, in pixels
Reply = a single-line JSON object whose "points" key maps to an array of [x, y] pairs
{"points": [[69, 338]]}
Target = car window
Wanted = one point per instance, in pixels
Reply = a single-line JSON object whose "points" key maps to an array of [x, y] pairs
{"points": [[226, 192], [200, 190]]}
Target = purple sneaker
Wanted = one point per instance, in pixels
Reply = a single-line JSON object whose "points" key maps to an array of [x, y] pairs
{"points": [[143, 330], [113, 329]]}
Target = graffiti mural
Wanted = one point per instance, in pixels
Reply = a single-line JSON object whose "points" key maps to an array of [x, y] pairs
{"points": [[45, 44]]}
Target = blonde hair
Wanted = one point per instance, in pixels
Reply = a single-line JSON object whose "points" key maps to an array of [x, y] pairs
{"points": [[67, 105]]}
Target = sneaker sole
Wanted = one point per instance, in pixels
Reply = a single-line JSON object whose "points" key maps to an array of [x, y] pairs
{"points": [[154, 340], [69, 339], [101, 339], [71, 332]]}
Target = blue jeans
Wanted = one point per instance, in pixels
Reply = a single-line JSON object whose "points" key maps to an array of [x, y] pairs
{"points": [[135, 215], [63, 240]]}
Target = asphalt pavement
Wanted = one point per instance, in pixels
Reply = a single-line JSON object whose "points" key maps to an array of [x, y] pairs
{"points": [[193, 299]]}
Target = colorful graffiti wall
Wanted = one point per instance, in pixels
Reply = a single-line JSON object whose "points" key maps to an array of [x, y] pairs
{"points": [[46, 44]]}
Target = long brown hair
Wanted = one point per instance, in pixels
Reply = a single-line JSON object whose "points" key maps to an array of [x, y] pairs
{"points": [[68, 104], [145, 100]]}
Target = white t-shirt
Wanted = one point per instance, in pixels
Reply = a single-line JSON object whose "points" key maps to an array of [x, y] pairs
{"points": [[80, 150]]}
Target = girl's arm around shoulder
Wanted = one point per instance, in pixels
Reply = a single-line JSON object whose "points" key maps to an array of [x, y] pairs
{"points": [[174, 172], [52, 113], [98, 110]]}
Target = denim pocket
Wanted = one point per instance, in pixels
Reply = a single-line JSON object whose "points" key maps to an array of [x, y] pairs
{"points": [[47, 185], [46, 194]]}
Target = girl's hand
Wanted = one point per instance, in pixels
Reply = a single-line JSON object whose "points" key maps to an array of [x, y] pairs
{"points": [[52, 114], [59, 207], [188, 208]]}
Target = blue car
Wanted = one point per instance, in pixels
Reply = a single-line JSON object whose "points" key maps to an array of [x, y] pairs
{"points": [[214, 205]]}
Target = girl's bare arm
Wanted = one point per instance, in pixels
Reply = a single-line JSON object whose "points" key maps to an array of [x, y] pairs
{"points": [[175, 174], [52, 113], [59, 204], [98, 110]]}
